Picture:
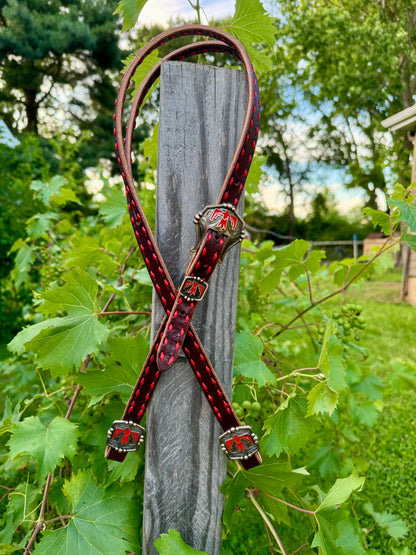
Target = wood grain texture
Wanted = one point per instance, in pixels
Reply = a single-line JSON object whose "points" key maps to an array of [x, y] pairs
{"points": [[201, 116]]}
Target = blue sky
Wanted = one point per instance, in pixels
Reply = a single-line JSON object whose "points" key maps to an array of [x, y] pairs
{"points": [[160, 11]]}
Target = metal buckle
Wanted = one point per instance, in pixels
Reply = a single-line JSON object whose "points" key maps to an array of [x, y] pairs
{"points": [[239, 443], [193, 288], [223, 219], [125, 436]]}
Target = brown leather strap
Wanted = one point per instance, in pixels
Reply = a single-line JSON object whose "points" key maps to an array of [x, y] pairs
{"points": [[176, 330]]}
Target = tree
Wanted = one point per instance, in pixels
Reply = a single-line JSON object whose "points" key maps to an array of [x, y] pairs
{"points": [[46, 46], [354, 62]]}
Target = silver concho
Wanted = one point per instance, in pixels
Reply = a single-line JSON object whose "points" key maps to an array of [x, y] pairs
{"points": [[193, 288], [125, 436], [239, 442], [223, 219]]}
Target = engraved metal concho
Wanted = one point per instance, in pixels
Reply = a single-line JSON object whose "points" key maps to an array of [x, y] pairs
{"points": [[239, 442], [193, 288], [223, 219], [125, 436]]}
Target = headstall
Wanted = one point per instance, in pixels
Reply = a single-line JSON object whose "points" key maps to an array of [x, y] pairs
{"points": [[219, 227]]}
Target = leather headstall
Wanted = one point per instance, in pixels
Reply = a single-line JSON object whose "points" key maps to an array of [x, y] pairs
{"points": [[219, 227]]}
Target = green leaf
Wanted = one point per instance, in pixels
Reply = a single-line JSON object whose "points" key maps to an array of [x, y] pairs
{"points": [[380, 219], [326, 537], [341, 491], [47, 191], [349, 539], [102, 521], [255, 174], [321, 399], [114, 209], [39, 224], [150, 147], [63, 343], [271, 478], [331, 361], [394, 526], [173, 544], [409, 239], [127, 355], [372, 386], [252, 25], [407, 213], [130, 10], [248, 350], [47, 444], [22, 264], [288, 429]]}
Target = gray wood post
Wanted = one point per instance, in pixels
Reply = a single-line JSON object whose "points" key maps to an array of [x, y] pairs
{"points": [[201, 116]]}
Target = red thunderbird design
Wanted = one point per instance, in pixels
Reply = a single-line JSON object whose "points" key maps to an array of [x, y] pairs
{"points": [[225, 217]]}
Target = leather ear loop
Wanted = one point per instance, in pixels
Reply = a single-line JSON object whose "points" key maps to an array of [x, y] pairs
{"points": [[193, 349]]}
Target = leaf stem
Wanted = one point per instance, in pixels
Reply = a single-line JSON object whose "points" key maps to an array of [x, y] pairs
{"points": [[123, 312], [267, 522], [342, 289]]}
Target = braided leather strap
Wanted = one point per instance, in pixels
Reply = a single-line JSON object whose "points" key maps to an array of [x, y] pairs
{"points": [[176, 331]]}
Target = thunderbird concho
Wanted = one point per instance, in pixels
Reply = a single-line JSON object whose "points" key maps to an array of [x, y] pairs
{"points": [[239, 443], [223, 219], [125, 436]]}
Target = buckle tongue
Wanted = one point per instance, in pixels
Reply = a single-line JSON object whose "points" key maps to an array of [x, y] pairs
{"points": [[125, 436], [239, 443]]}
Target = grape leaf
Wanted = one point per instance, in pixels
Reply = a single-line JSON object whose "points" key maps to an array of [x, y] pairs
{"points": [[39, 224], [326, 537], [271, 478], [331, 361], [255, 174], [173, 544], [102, 521], [287, 429], [114, 208], [380, 219], [47, 444], [407, 213], [63, 343], [53, 191], [248, 350], [252, 25], [130, 10], [409, 239], [321, 399], [127, 355], [22, 263], [341, 491], [394, 526]]}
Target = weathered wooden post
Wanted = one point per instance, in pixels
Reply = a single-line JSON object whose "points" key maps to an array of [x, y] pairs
{"points": [[202, 112], [208, 132]]}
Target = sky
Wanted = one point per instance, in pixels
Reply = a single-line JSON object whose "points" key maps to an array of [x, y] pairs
{"points": [[160, 11]]}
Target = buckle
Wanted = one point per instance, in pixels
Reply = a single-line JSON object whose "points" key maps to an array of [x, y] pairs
{"points": [[125, 436], [239, 443], [223, 219], [193, 288]]}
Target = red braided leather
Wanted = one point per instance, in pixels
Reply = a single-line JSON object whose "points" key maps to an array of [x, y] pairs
{"points": [[176, 331]]}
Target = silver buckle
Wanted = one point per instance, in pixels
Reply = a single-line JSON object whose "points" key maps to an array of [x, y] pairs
{"points": [[223, 219], [239, 443], [125, 436]]}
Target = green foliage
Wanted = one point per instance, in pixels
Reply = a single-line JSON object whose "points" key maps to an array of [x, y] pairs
{"points": [[252, 26], [173, 544], [47, 444], [100, 521]]}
